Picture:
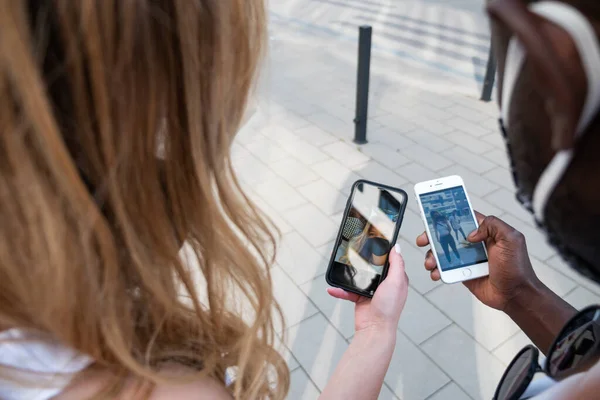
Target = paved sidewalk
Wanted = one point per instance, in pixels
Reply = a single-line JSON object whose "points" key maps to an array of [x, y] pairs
{"points": [[297, 160]]}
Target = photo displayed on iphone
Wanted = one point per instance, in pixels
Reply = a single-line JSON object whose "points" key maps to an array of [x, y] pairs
{"points": [[450, 220], [369, 229]]}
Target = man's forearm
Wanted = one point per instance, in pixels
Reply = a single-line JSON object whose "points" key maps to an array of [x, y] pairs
{"points": [[360, 373], [540, 313]]}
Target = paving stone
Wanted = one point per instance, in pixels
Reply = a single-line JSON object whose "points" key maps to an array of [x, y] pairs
{"points": [[433, 142], [375, 172], [580, 298], [305, 152], [499, 157], [457, 302], [416, 172], [436, 127], [332, 124], [318, 347], [326, 197], [414, 261], [494, 138], [506, 200], [295, 305], [301, 387], [341, 177], [278, 134], [502, 177], [468, 142], [472, 128], [509, 349], [299, 259], [416, 379], [430, 111], [561, 266], [266, 150], [312, 224], [467, 113], [471, 366], [450, 392], [420, 319], [536, 241], [278, 194], [475, 183], [252, 171], [271, 214], [346, 154], [423, 155], [472, 161], [294, 172], [396, 123], [290, 121], [383, 154], [315, 136], [388, 137]]}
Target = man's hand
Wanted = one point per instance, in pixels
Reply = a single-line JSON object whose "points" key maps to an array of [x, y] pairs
{"points": [[510, 268], [383, 311]]}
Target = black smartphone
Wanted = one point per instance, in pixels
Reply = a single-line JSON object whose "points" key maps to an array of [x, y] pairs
{"points": [[369, 229]]}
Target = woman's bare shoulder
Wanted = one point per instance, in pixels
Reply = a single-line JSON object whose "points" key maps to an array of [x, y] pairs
{"points": [[205, 388], [198, 389]]}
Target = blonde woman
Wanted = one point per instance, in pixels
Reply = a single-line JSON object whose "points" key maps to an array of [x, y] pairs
{"points": [[92, 221]]}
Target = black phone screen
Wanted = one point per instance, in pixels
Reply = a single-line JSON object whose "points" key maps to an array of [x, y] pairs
{"points": [[368, 231]]}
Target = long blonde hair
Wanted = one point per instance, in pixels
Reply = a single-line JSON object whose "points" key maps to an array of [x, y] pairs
{"points": [[92, 220]]}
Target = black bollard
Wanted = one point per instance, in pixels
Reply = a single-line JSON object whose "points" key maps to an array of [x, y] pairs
{"points": [[362, 84], [490, 75]]}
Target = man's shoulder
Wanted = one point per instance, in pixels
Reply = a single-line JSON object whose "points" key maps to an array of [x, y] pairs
{"points": [[585, 385]]}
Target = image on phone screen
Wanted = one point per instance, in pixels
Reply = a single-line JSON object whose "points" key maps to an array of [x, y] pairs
{"points": [[450, 221], [366, 237]]}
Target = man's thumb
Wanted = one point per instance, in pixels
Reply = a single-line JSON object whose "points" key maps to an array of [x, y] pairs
{"points": [[488, 228]]}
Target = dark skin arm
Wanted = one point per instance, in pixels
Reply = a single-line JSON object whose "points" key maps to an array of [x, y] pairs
{"points": [[512, 286]]}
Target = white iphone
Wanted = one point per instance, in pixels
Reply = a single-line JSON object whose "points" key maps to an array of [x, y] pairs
{"points": [[449, 218]]}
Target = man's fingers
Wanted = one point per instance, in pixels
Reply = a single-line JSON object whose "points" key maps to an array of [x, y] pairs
{"points": [[430, 263], [490, 227], [435, 275], [480, 217], [422, 240], [342, 294], [477, 232]]}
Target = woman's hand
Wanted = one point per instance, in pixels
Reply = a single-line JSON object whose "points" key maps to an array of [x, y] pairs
{"points": [[361, 371], [510, 268], [384, 309]]}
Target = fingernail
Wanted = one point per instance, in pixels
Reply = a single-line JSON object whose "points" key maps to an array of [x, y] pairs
{"points": [[397, 248], [472, 234]]}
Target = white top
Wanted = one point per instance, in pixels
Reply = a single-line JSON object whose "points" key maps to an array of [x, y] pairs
{"points": [[43, 358], [53, 358]]}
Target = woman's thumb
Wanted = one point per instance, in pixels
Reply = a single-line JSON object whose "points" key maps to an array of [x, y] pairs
{"points": [[396, 271]]}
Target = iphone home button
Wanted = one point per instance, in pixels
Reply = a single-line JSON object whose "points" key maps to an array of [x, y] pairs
{"points": [[467, 272]]}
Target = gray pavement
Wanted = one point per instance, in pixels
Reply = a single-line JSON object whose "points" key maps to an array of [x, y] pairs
{"points": [[296, 159]]}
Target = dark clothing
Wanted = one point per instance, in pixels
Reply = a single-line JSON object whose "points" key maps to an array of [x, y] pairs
{"points": [[461, 231], [374, 246], [355, 278], [448, 241]]}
